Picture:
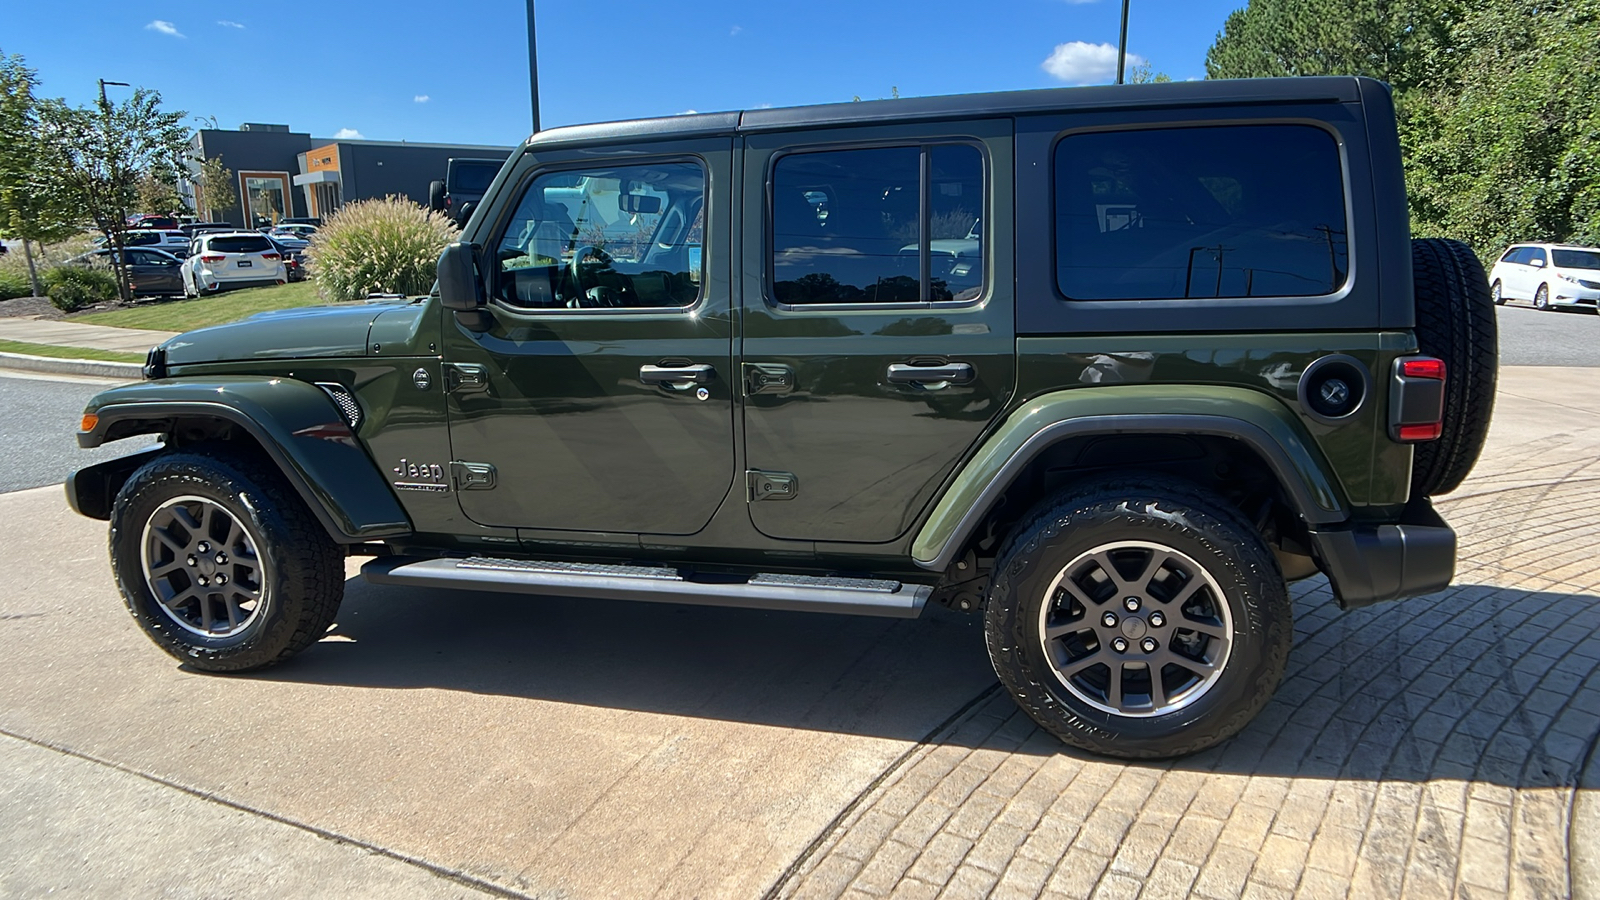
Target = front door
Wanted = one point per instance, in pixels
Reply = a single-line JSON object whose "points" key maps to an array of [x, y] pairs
{"points": [[600, 397], [878, 333]]}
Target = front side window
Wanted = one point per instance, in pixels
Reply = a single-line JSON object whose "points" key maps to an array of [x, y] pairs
{"points": [[1215, 212], [854, 226], [1536, 256], [606, 237]]}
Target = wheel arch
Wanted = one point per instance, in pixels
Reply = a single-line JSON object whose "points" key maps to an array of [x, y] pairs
{"points": [[291, 423], [1152, 423]]}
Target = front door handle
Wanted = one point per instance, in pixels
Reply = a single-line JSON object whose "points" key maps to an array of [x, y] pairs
{"points": [[948, 373], [677, 376]]}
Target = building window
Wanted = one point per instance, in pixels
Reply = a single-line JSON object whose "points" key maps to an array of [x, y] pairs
{"points": [[266, 196]]}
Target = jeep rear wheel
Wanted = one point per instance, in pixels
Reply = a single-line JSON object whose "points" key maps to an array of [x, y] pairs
{"points": [[1140, 619], [1456, 323], [221, 564]]}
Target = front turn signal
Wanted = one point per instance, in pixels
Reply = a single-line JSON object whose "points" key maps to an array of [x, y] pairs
{"points": [[90, 420]]}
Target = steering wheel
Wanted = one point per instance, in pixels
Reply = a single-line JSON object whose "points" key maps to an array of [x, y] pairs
{"points": [[586, 262]]}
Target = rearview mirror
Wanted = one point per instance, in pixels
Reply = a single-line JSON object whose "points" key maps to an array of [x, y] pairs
{"points": [[639, 204], [460, 288]]}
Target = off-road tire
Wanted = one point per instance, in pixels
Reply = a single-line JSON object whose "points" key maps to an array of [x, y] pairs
{"points": [[306, 571], [1456, 323], [1160, 511]]}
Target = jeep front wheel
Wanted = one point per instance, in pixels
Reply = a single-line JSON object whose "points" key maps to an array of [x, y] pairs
{"points": [[221, 564], [1139, 620]]}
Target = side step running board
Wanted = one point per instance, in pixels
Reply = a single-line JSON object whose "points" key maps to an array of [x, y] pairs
{"points": [[856, 596]]}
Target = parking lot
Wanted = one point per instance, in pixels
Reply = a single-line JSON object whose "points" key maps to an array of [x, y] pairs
{"points": [[442, 744]]}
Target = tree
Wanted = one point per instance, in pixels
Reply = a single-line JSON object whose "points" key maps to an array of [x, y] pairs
{"points": [[101, 154], [1500, 132], [213, 184], [33, 207], [157, 195], [1142, 73]]}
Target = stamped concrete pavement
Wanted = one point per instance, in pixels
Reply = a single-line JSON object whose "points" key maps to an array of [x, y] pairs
{"points": [[540, 748]]}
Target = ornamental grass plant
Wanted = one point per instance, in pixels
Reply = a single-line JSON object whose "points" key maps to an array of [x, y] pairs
{"points": [[381, 246]]}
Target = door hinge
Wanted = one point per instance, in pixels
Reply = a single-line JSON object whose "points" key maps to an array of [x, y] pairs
{"points": [[772, 485], [768, 378], [465, 377], [472, 476]]}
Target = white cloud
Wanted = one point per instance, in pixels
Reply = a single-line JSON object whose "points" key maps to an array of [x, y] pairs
{"points": [[734, 31], [689, 112], [420, 98], [227, 24], [164, 27], [347, 134], [1076, 62]]}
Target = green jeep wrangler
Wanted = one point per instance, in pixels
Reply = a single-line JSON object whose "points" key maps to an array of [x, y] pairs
{"points": [[1108, 366]]}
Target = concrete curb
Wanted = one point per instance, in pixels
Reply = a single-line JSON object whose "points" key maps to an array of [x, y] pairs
{"points": [[1583, 841], [94, 367]]}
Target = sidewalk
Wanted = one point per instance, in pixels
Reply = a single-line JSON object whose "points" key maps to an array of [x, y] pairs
{"points": [[76, 335]]}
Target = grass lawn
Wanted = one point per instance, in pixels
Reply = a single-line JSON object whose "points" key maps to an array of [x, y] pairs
{"points": [[184, 315], [68, 352]]}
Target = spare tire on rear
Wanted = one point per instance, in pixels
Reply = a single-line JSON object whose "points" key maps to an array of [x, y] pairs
{"points": [[1456, 323]]}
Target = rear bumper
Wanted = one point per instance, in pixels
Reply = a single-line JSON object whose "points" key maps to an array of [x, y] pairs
{"points": [[229, 284], [1370, 564]]}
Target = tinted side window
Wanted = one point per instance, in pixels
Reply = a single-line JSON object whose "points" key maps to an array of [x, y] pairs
{"points": [[608, 236], [852, 226], [1231, 211], [1536, 254], [1514, 255]]}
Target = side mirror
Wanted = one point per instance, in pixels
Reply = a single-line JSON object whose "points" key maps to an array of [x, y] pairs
{"points": [[460, 288], [1536, 262]]}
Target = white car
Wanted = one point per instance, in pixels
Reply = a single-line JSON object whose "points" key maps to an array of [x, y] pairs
{"points": [[1551, 275], [303, 232], [171, 241], [231, 259]]}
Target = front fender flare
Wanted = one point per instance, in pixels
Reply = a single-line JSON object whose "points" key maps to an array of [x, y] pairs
{"points": [[295, 423], [1258, 420]]}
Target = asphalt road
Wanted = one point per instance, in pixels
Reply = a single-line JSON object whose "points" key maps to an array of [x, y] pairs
{"points": [[38, 420], [1532, 338]]}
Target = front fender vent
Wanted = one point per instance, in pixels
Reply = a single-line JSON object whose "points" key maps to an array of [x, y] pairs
{"points": [[346, 401]]}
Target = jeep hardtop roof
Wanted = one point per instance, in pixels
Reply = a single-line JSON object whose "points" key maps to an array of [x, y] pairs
{"points": [[1329, 89]]}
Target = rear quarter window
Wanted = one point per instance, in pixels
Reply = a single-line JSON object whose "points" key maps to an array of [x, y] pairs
{"points": [[1210, 212]]}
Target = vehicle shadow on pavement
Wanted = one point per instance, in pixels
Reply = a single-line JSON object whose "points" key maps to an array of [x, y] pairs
{"points": [[1478, 683], [876, 677]]}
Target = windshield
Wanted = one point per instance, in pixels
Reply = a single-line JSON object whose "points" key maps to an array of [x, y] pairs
{"points": [[1577, 259]]}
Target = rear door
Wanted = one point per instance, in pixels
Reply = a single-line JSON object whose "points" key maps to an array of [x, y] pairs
{"points": [[872, 363], [600, 396]]}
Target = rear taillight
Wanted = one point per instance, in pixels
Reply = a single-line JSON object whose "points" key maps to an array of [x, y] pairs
{"points": [[212, 258], [269, 256], [1416, 400]]}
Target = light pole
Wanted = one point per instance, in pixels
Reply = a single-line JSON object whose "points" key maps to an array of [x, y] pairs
{"points": [[533, 67], [1122, 43], [105, 105]]}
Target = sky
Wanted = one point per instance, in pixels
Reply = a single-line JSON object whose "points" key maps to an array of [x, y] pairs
{"points": [[457, 72]]}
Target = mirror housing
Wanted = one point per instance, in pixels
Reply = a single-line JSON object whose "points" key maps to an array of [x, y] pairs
{"points": [[460, 288], [1536, 262]]}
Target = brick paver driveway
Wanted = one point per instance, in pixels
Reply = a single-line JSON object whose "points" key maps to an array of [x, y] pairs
{"points": [[1424, 748]]}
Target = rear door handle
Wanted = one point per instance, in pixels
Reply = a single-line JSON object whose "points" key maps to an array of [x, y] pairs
{"points": [[677, 376], [949, 373]]}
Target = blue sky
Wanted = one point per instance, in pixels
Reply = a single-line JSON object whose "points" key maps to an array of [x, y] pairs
{"points": [[457, 71]]}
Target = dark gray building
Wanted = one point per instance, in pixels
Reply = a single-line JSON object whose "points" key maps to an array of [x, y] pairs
{"points": [[278, 173]]}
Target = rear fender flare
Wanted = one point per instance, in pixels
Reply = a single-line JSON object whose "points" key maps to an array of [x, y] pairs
{"points": [[296, 424], [1258, 420]]}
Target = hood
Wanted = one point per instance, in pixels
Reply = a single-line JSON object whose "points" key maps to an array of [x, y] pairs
{"points": [[309, 332]]}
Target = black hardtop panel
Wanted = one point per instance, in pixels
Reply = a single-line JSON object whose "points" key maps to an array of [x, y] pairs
{"points": [[1333, 89]]}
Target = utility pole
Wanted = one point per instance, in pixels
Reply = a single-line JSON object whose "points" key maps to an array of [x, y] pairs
{"points": [[105, 105], [533, 67], [1122, 42]]}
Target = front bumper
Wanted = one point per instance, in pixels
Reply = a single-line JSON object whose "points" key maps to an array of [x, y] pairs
{"points": [[1370, 564], [1566, 294]]}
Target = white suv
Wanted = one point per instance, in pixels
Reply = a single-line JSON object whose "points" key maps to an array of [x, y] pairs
{"points": [[1550, 275], [231, 259]]}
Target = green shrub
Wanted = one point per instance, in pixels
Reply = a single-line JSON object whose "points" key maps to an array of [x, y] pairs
{"points": [[76, 287], [14, 284], [388, 246]]}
